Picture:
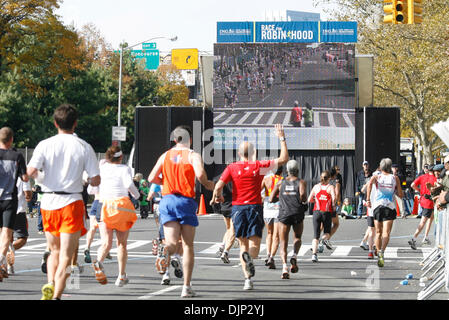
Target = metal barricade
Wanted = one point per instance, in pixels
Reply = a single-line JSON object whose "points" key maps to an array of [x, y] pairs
{"points": [[435, 264]]}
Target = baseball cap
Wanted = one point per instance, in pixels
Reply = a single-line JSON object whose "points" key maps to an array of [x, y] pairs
{"points": [[365, 162], [438, 167]]}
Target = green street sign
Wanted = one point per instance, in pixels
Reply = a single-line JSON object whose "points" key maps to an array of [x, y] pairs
{"points": [[151, 57], [149, 45]]}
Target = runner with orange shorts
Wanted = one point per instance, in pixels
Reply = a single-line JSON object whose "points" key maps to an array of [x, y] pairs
{"points": [[58, 164]]}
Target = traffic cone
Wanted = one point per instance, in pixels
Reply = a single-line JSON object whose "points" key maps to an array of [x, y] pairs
{"points": [[202, 207]]}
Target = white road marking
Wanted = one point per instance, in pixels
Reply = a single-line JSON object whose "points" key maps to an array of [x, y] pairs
{"points": [[341, 251], [158, 293]]}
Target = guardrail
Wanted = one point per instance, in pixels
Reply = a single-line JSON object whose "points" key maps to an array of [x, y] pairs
{"points": [[436, 265]]}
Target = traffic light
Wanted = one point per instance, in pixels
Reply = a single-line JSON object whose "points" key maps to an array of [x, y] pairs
{"points": [[401, 12], [414, 11], [390, 10]]}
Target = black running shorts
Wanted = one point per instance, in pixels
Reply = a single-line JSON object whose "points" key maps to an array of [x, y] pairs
{"points": [[426, 212], [8, 212], [21, 226], [382, 213], [321, 217]]}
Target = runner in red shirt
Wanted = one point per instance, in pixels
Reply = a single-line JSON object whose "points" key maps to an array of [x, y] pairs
{"points": [[422, 184], [247, 212]]}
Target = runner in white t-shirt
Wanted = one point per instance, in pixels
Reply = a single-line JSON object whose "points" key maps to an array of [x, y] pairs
{"points": [[368, 239], [62, 159]]}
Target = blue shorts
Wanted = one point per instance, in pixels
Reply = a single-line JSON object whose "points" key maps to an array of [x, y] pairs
{"points": [[178, 208], [248, 220], [95, 210]]}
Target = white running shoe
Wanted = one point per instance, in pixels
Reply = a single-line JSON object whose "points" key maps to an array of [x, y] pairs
{"points": [[121, 281], [165, 279], [187, 292], [314, 258], [426, 241], [176, 264], [10, 269], [248, 285], [364, 246]]}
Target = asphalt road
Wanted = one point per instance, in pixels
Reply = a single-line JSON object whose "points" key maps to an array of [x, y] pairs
{"points": [[342, 274]]}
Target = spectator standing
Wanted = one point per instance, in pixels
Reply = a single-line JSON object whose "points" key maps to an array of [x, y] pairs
{"points": [[363, 177]]}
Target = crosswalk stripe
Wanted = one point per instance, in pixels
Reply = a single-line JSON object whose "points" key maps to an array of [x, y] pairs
{"points": [[92, 245], [302, 251], [342, 251], [391, 252], [247, 114], [331, 120]]}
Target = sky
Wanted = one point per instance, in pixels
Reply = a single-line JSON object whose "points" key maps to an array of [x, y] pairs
{"points": [[194, 22]]}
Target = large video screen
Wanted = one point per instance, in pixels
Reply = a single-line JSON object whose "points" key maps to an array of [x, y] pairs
{"points": [[309, 88]]}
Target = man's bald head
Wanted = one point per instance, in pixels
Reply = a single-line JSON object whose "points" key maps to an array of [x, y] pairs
{"points": [[246, 150]]}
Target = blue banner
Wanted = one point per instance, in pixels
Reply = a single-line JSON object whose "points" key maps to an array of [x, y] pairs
{"points": [[338, 31], [287, 32], [235, 32]]}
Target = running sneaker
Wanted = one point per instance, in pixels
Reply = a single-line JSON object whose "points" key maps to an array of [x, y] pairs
{"points": [[426, 242], [121, 281], [370, 255], [248, 285], [187, 292], [165, 279], [162, 260], [44, 261], [108, 256], [220, 251], [250, 269], [10, 269], [294, 263], [155, 247], [175, 263], [412, 244], [364, 246], [328, 244], [4, 271], [266, 261], [225, 257], [47, 291], [314, 258], [99, 273], [380, 261], [236, 244], [320, 247], [271, 264], [285, 274], [87, 258], [1, 277]]}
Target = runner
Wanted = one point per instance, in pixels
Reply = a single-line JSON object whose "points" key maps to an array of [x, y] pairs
{"points": [[323, 197], [422, 184], [335, 181], [270, 216], [293, 204], [384, 207], [247, 215], [179, 167], [368, 240], [93, 223], [225, 208], [24, 194], [62, 158], [117, 213], [12, 166]]}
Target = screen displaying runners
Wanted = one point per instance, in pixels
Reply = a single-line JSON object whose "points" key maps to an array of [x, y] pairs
{"points": [[309, 88]]}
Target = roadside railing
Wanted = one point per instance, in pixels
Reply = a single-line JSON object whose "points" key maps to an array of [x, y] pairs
{"points": [[435, 265]]}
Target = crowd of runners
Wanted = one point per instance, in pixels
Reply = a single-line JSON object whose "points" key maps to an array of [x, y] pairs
{"points": [[251, 195]]}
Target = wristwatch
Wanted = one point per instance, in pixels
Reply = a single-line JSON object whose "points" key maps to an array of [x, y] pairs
{"points": [[282, 138]]}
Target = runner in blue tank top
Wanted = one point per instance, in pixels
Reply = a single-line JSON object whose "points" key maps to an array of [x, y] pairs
{"points": [[384, 206]]}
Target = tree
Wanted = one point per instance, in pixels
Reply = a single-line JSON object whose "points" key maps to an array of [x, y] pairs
{"points": [[173, 91], [411, 63]]}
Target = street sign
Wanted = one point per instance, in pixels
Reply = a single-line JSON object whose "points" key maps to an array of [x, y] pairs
{"points": [[151, 57], [185, 59], [118, 133], [149, 45]]}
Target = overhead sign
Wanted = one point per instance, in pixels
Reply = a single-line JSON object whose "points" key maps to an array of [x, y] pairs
{"points": [[151, 57], [118, 133], [185, 59], [287, 32], [293, 31]]}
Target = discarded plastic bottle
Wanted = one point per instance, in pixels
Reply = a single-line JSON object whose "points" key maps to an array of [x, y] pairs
{"points": [[404, 282], [409, 276]]}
